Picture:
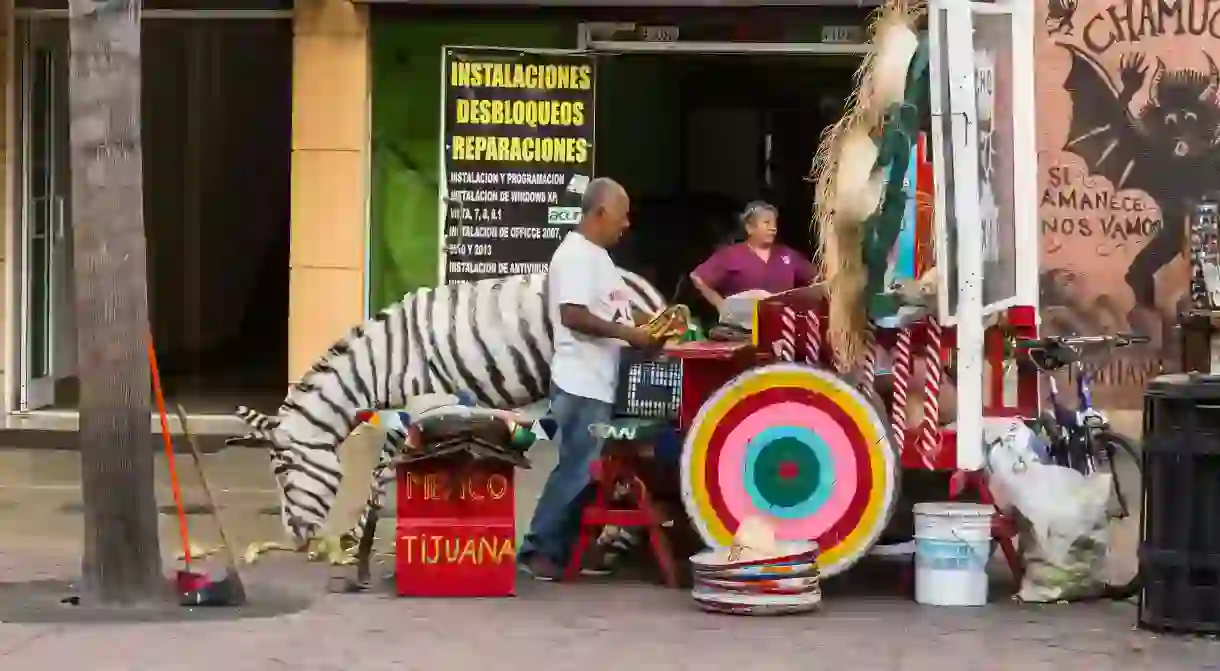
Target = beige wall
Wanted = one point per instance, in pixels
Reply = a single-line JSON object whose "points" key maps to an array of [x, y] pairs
{"points": [[329, 176]]}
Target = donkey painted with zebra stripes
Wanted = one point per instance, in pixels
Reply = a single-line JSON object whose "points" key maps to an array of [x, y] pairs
{"points": [[491, 339]]}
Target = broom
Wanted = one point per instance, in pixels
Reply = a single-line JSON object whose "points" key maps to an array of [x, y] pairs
{"points": [[229, 591], [186, 577]]}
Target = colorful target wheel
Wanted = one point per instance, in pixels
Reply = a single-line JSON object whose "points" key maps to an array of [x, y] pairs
{"points": [[799, 445]]}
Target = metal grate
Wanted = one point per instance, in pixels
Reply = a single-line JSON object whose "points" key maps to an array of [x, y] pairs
{"points": [[648, 387]]}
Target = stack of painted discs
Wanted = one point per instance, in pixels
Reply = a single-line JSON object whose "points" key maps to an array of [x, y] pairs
{"points": [[760, 578]]}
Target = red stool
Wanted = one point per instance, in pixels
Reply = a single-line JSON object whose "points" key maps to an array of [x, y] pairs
{"points": [[619, 464], [1003, 527]]}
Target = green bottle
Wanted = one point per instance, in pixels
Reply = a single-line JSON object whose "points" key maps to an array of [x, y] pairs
{"points": [[520, 438], [693, 332]]}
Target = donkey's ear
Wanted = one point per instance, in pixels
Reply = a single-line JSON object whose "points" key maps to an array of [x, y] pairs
{"points": [[248, 440]]}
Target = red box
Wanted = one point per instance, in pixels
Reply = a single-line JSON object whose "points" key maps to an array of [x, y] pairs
{"points": [[457, 532]]}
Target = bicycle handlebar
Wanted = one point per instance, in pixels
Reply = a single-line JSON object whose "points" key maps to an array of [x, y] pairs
{"points": [[1056, 352], [1117, 340]]}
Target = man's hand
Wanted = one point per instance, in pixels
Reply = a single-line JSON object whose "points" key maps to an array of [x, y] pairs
{"points": [[579, 319], [639, 338]]}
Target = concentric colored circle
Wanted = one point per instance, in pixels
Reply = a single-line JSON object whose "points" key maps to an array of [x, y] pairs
{"points": [[786, 415], [796, 444], [789, 472]]}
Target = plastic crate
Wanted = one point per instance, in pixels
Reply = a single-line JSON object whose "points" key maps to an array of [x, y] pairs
{"points": [[648, 386], [1180, 521]]}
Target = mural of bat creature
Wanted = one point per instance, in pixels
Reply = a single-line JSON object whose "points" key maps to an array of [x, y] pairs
{"points": [[1059, 14], [1169, 148]]}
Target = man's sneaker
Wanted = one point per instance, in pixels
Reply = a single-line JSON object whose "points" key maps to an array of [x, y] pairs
{"points": [[539, 567], [609, 552]]}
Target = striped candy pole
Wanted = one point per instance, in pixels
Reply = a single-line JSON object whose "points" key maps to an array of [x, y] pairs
{"points": [[813, 337], [902, 378], [929, 440], [868, 367], [787, 336]]}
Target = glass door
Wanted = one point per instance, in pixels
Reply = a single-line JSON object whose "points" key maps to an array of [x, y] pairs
{"points": [[985, 153], [47, 332], [985, 163]]}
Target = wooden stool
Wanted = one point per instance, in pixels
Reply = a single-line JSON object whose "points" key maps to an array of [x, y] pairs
{"points": [[628, 443]]}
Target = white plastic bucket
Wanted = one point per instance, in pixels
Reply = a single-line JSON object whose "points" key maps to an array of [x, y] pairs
{"points": [[952, 546]]}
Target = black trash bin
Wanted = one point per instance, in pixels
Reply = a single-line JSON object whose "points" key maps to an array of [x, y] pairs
{"points": [[1180, 523]]}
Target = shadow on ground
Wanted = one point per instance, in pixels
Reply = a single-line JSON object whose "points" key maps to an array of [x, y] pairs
{"points": [[51, 602]]}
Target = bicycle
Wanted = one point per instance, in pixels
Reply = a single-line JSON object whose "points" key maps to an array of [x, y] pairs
{"points": [[1082, 438]]}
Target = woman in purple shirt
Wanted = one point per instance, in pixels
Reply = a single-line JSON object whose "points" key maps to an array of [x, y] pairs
{"points": [[757, 263]]}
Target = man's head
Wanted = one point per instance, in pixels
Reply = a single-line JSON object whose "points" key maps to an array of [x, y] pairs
{"points": [[603, 212]]}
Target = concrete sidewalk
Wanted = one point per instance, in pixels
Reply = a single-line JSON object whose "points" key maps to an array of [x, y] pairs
{"points": [[585, 626], [592, 627]]}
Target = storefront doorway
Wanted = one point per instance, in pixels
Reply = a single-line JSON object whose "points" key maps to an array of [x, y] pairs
{"points": [[46, 350], [695, 137], [216, 127]]}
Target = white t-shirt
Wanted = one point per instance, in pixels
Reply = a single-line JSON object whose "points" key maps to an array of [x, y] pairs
{"points": [[581, 273]]}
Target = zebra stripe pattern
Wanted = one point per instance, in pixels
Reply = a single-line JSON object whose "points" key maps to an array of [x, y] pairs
{"points": [[491, 339]]}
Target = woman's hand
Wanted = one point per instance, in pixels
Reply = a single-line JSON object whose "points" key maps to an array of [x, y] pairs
{"points": [[709, 294]]}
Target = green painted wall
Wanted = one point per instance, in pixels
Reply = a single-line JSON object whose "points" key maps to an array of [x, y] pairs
{"points": [[406, 71]]}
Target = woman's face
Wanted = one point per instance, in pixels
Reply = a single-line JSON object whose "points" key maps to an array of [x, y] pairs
{"points": [[761, 228]]}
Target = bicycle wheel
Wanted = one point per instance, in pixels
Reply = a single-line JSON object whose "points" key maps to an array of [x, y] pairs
{"points": [[1116, 454]]}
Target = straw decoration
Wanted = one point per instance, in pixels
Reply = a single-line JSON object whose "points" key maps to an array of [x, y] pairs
{"points": [[849, 184]]}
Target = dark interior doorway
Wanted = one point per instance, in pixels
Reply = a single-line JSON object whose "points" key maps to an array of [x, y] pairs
{"points": [[694, 138], [217, 110]]}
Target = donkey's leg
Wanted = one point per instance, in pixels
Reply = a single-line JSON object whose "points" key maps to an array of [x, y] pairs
{"points": [[383, 474]]}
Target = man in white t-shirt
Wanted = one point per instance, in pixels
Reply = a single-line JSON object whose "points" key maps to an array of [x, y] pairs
{"points": [[587, 301]]}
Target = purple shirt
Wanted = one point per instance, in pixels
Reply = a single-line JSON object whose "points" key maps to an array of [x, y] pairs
{"points": [[732, 270]]}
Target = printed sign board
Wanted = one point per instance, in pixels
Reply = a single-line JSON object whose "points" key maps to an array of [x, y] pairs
{"points": [[518, 151]]}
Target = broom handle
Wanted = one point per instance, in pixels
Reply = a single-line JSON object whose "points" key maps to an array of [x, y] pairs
{"points": [[169, 456], [203, 480]]}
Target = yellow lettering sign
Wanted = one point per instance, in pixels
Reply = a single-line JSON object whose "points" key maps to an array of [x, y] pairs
{"points": [[412, 480], [411, 540], [470, 491], [475, 551], [520, 76], [519, 149], [431, 487], [532, 113], [438, 487], [497, 486]]}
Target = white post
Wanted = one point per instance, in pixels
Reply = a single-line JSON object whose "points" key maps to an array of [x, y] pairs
{"points": [[959, 42]]}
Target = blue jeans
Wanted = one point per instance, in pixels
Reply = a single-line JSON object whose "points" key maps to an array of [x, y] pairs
{"points": [[556, 520]]}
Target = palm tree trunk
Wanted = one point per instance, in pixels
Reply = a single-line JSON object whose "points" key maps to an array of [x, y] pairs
{"points": [[122, 558]]}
